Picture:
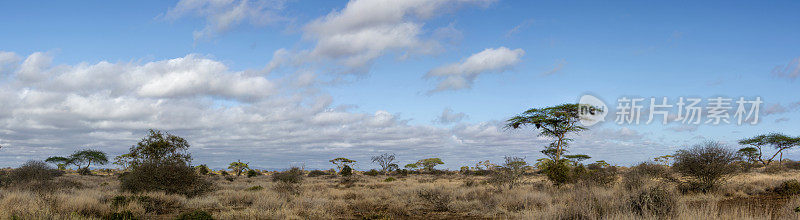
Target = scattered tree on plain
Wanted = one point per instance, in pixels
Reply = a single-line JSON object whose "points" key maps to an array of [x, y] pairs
{"points": [[341, 162], [79, 159], [554, 122], [238, 167], [385, 161], [777, 141]]}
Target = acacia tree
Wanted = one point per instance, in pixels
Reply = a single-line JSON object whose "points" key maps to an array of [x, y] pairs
{"points": [[554, 122], [412, 166], [341, 162], [239, 167], [777, 141], [60, 162], [429, 163], [384, 160], [79, 159]]}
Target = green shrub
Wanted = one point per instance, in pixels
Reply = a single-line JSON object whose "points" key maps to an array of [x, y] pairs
{"points": [[390, 179], [557, 172], [372, 172], [346, 171], [653, 201], [315, 173], [402, 172], [788, 188], [195, 215], [252, 173], [224, 173], [170, 177]]}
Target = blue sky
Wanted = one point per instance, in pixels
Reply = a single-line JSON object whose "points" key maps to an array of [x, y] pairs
{"points": [[284, 82]]}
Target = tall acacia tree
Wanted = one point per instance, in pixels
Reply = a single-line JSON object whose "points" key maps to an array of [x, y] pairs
{"points": [[555, 122], [777, 141]]}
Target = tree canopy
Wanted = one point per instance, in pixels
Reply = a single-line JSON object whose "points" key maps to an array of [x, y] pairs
{"points": [[80, 158], [553, 122], [157, 147], [341, 162], [777, 141], [239, 167]]}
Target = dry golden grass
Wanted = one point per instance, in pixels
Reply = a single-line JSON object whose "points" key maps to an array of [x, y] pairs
{"points": [[744, 196]]}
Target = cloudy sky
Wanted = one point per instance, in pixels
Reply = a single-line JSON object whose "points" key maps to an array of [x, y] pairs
{"points": [[291, 82]]}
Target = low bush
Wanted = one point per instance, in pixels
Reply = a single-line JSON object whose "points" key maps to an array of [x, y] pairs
{"points": [[788, 188], [637, 176], [84, 171], [390, 179], [170, 177], [775, 168], [653, 201], [708, 163], [559, 172], [402, 172], [252, 173], [195, 215], [33, 175], [346, 171], [372, 172], [230, 178], [288, 181], [316, 173], [597, 175], [293, 175], [794, 165]]}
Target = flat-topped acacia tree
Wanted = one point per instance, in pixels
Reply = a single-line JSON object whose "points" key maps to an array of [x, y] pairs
{"points": [[777, 141], [79, 159], [555, 122]]}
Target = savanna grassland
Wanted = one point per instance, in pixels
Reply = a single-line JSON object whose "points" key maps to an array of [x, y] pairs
{"points": [[642, 192]]}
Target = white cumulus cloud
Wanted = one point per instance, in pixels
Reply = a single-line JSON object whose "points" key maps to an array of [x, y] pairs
{"points": [[462, 75]]}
